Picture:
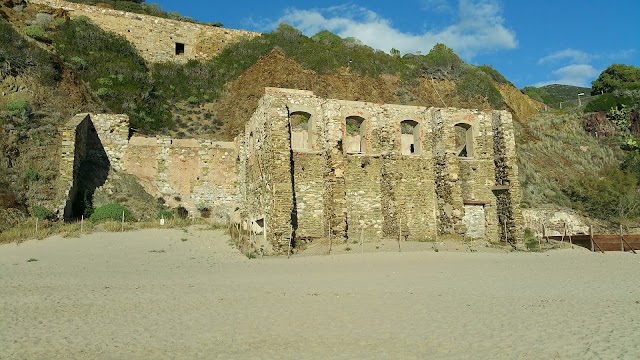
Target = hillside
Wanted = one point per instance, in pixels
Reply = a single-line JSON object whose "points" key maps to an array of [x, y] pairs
{"points": [[554, 94], [78, 67]]}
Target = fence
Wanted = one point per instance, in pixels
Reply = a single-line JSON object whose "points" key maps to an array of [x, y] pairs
{"points": [[598, 242], [579, 102]]}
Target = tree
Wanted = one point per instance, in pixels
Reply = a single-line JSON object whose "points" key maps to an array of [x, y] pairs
{"points": [[617, 77]]}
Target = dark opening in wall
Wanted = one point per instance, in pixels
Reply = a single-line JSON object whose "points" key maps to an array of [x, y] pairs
{"points": [[300, 123], [179, 48], [90, 171], [464, 140], [410, 137], [355, 132]]}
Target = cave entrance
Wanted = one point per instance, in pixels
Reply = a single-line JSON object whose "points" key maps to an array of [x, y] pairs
{"points": [[90, 171]]}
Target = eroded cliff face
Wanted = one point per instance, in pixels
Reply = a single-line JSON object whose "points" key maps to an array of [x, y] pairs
{"points": [[276, 70]]}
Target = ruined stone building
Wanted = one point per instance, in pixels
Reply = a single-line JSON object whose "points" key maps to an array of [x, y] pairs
{"points": [[157, 39], [310, 168]]}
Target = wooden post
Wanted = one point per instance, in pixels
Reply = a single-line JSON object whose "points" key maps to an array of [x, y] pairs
{"points": [[591, 237], [290, 240], [539, 244], [399, 233], [544, 232], [506, 238], [621, 239], [81, 224], [37, 227], [123, 220], [564, 231], [570, 240]]}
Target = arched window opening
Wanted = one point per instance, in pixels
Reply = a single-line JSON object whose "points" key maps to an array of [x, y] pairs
{"points": [[300, 130], [410, 137], [464, 140], [355, 131]]}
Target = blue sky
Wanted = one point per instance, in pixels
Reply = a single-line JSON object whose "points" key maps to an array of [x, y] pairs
{"points": [[530, 42]]}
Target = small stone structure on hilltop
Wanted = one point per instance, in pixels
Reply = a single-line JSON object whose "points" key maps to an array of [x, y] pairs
{"points": [[157, 39], [311, 168]]}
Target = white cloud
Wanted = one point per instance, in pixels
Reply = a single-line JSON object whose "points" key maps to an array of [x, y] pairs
{"points": [[579, 56], [566, 54], [439, 6], [480, 28], [576, 74]]}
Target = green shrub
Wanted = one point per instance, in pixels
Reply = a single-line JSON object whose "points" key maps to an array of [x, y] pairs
{"points": [[77, 63], [42, 213], [111, 212], [100, 58], [193, 100], [33, 175], [442, 59], [605, 102], [612, 194], [36, 32], [474, 83], [103, 92], [18, 106], [494, 74], [164, 214]]}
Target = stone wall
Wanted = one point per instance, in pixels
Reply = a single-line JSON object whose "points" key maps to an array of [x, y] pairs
{"points": [[199, 175], [109, 140], [157, 39], [442, 172]]}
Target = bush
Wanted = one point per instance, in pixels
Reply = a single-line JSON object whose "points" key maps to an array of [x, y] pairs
{"points": [[33, 175], [115, 72], [606, 102], [110, 212], [19, 56], [610, 195], [42, 213], [44, 20], [18, 106], [182, 212], [494, 74], [474, 83], [164, 214], [36, 32]]}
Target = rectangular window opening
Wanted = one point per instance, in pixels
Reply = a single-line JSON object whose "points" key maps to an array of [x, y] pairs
{"points": [[179, 48]]}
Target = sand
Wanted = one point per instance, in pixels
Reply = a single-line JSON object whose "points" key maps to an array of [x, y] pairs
{"points": [[171, 294]]}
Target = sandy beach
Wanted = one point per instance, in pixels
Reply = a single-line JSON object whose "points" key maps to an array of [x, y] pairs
{"points": [[187, 294]]}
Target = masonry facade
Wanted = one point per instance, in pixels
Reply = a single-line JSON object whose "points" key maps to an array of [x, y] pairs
{"points": [[312, 168], [157, 39], [309, 168], [194, 174]]}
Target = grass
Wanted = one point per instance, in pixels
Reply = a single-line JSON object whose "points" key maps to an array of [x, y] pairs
{"points": [[549, 147], [32, 260]]}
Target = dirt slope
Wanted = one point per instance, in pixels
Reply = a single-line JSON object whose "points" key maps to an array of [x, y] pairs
{"points": [[276, 70]]}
